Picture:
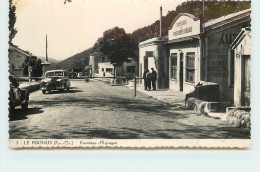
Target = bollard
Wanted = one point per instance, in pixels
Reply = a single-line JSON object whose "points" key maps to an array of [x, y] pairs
{"points": [[135, 86]]}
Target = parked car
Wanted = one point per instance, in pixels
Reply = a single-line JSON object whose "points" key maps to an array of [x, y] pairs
{"points": [[206, 91], [55, 80], [17, 96]]}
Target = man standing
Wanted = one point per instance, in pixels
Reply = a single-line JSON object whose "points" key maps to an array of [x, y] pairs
{"points": [[145, 80], [149, 77], [154, 78]]}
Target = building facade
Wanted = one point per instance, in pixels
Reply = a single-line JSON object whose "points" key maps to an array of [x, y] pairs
{"points": [[218, 57], [153, 53], [16, 59], [242, 63], [184, 52], [195, 51]]}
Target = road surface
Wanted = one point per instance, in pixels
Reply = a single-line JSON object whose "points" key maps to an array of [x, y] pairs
{"points": [[98, 110]]}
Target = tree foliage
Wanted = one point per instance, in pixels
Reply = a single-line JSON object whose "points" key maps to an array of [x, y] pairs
{"points": [[12, 21], [116, 45], [35, 63]]}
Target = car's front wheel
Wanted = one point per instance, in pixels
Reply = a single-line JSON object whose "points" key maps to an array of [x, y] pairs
{"points": [[43, 91], [11, 109]]}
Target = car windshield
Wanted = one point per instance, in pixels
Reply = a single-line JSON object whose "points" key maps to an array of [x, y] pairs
{"points": [[54, 74]]}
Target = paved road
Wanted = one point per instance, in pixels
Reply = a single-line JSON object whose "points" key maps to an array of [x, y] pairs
{"points": [[98, 110]]}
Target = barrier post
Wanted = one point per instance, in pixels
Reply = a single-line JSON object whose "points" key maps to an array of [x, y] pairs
{"points": [[135, 86]]}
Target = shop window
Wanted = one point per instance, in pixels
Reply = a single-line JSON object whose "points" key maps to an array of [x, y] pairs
{"points": [[110, 70], [130, 69], [231, 68], [173, 66], [190, 67]]}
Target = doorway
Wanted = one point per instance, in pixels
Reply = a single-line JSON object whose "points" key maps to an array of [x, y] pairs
{"points": [[181, 72], [245, 81]]}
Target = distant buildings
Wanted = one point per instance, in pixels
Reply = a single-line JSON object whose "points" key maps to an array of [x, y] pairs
{"points": [[195, 51], [101, 66], [16, 60]]}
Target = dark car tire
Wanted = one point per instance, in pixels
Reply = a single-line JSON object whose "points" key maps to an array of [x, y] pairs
{"points": [[24, 106], [11, 109], [43, 91]]}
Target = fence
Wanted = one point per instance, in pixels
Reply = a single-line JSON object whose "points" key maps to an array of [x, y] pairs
{"points": [[112, 80]]}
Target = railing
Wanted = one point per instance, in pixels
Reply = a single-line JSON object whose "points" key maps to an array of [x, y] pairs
{"points": [[28, 79], [116, 80]]}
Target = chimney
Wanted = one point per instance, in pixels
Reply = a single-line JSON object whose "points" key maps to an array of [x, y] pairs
{"points": [[161, 22]]}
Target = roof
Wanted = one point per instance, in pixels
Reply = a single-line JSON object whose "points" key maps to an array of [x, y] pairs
{"points": [[187, 38], [227, 17], [183, 14], [57, 70], [11, 47], [155, 40], [244, 32]]}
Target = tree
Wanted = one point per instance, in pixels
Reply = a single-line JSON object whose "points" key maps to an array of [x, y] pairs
{"points": [[116, 45], [35, 64], [12, 21]]}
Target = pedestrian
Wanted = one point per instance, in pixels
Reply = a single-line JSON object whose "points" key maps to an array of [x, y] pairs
{"points": [[154, 78], [104, 74], [144, 77], [149, 77]]}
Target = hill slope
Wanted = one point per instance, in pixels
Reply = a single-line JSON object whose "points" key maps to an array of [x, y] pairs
{"points": [[79, 60]]}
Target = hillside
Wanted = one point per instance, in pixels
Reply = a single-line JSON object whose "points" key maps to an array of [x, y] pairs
{"points": [[51, 60], [79, 60], [212, 10]]}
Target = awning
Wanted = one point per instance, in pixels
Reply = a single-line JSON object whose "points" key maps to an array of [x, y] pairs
{"points": [[187, 38]]}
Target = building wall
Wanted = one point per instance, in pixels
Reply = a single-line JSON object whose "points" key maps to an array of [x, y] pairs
{"points": [[16, 59], [185, 47], [106, 67], [183, 39], [217, 60], [154, 54], [242, 51]]}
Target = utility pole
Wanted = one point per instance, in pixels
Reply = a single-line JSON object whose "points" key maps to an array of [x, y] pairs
{"points": [[45, 64], [161, 22], [46, 48]]}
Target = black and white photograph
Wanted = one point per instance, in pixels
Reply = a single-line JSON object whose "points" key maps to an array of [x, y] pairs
{"points": [[134, 74]]}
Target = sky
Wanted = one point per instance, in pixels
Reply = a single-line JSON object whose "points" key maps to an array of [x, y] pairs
{"points": [[74, 27]]}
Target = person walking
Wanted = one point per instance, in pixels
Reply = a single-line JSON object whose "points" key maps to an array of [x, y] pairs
{"points": [[149, 77], [145, 80], [154, 78]]}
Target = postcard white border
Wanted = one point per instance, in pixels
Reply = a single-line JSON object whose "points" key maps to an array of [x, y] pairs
{"points": [[163, 160]]}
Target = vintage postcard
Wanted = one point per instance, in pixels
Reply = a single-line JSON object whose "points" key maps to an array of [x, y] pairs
{"points": [[129, 74]]}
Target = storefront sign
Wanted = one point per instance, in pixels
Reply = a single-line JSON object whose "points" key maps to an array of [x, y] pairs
{"points": [[184, 26], [183, 31], [227, 38]]}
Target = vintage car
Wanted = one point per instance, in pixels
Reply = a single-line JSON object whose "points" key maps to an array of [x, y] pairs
{"points": [[55, 80], [206, 91], [17, 96]]}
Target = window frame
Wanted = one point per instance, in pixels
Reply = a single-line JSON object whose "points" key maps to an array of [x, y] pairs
{"points": [[173, 67], [190, 67]]}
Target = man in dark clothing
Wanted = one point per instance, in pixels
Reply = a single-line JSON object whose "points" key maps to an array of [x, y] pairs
{"points": [[145, 80], [154, 78], [149, 77]]}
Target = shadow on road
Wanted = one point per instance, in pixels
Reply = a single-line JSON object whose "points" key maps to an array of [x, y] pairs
{"points": [[22, 114], [64, 91]]}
